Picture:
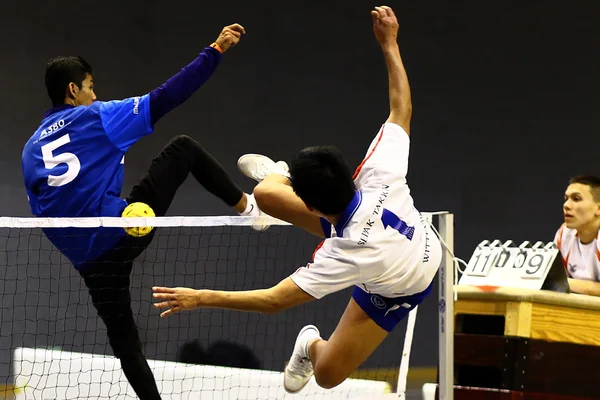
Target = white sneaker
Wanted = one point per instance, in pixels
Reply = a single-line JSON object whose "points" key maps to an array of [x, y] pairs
{"points": [[284, 167], [252, 210], [300, 369], [258, 167]]}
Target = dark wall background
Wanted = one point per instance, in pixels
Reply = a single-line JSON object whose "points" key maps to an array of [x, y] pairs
{"points": [[505, 93], [505, 96]]}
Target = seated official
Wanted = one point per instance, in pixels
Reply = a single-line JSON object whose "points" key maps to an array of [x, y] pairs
{"points": [[577, 238]]}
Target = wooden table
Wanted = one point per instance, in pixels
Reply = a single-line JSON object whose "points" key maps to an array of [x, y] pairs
{"points": [[526, 344]]}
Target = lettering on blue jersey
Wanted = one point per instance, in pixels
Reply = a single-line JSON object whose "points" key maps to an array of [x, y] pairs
{"points": [[136, 105], [52, 160], [53, 128]]}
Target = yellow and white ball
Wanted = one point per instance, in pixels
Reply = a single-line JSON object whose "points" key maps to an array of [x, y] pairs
{"points": [[138, 210]]}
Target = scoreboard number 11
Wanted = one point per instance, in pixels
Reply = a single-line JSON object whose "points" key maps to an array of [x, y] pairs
{"points": [[504, 264]]}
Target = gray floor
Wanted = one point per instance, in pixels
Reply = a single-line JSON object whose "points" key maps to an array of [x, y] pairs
{"points": [[414, 395]]}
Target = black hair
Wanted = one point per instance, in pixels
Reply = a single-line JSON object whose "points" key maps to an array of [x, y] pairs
{"points": [[322, 179], [62, 70], [589, 180]]}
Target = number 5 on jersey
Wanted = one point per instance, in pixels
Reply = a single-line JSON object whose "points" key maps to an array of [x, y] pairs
{"points": [[51, 160]]}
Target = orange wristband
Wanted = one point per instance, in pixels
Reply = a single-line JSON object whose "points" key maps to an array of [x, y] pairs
{"points": [[217, 47]]}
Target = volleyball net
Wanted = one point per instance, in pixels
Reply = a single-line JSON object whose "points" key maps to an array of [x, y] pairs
{"points": [[53, 345]]}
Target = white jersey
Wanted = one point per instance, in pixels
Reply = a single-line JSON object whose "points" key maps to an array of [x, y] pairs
{"points": [[381, 243], [582, 261]]}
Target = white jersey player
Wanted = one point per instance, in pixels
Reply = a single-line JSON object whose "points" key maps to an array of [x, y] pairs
{"points": [[577, 238], [376, 240], [380, 242]]}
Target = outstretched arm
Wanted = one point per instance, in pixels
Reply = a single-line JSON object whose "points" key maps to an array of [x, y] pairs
{"points": [[182, 85], [284, 295], [385, 26]]}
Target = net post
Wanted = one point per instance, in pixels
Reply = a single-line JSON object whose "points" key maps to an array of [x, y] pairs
{"points": [[405, 361], [446, 311]]}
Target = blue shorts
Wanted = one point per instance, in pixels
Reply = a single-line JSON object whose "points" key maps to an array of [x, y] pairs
{"points": [[386, 311]]}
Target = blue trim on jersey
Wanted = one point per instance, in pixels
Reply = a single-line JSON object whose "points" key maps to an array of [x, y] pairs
{"points": [[390, 219], [56, 109], [387, 312], [326, 225], [348, 213]]}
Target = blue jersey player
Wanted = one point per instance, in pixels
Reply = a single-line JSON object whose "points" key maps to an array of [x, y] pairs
{"points": [[73, 167]]}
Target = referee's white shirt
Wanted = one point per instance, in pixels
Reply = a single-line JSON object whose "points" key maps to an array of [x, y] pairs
{"points": [[582, 261]]}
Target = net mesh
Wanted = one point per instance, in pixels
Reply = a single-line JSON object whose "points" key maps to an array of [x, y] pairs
{"points": [[53, 345]]}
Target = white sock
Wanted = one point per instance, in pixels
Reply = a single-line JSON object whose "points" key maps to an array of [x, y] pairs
{"points": [[310, 336], [308, 343], [251, 206]]}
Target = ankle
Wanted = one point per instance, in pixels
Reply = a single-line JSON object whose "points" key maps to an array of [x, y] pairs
{"points": [[309, 345], [251, 207], [242, 205]]}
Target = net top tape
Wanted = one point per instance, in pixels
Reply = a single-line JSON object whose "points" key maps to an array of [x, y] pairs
{"points": [[118, 222]]}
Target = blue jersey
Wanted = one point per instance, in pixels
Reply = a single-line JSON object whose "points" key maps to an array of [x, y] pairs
{"points": [[73, 167]]}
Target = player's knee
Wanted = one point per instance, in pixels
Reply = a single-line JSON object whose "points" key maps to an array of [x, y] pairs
{"points": [[184, 149], [263, 193], [182, 140], [327, 375]]}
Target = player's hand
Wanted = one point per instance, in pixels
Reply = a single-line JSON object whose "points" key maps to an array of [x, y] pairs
{"points": [[385, 25], [175, 299], [230, 36]]}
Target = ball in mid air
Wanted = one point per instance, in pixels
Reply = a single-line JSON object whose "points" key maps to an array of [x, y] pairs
{"points": [[138, 210]]}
